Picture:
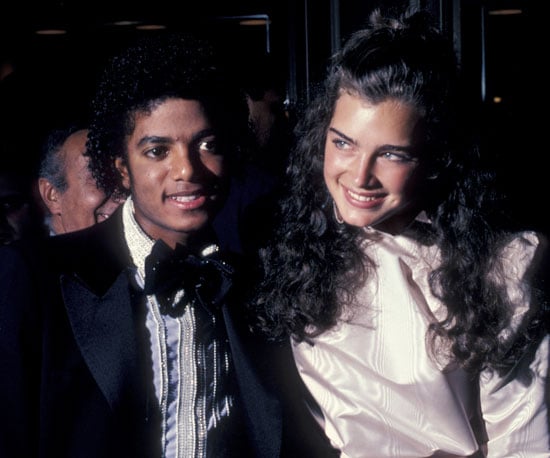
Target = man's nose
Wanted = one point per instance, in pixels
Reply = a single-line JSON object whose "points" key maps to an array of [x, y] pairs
{"points": [[183, 165]]}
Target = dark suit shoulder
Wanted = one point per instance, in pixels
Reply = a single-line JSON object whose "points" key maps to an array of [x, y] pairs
{"points": [[96, 255]]}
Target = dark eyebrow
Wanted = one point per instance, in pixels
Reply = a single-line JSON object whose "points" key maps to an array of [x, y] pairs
{"points": [[405, 149], [344, 136], [155, 139]]}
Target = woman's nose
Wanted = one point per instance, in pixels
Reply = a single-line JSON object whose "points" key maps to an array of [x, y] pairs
{"points": [[364, 170]]}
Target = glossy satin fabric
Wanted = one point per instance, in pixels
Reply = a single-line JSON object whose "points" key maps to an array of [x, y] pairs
{"points": [[382, 395], [191, 362]]}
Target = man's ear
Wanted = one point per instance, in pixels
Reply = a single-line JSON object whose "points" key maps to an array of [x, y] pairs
{"points": [[122, 168], [50, 196]]}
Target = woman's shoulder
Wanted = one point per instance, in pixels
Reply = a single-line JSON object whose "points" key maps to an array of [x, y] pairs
{"points": [[524, 247]]}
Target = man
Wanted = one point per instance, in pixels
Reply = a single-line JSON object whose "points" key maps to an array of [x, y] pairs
{"points": [[66, 185], [126, 339]]}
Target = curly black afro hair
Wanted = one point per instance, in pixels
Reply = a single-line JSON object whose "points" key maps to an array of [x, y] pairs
{"points": [[146, 73]]}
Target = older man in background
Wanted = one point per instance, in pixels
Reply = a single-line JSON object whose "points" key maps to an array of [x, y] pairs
{"points": [[69, 191]]}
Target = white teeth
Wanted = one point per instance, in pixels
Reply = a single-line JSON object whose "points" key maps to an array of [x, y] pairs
{"points": [[360, 197], [184, 198]]}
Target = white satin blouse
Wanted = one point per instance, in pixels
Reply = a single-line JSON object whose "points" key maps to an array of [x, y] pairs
{"points": [[382, 396]]}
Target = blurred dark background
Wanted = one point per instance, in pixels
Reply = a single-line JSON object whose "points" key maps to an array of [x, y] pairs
{"points": [[54, 49]]}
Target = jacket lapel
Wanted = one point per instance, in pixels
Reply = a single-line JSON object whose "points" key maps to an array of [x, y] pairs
{"points": [[262, 409], [103, 327]]}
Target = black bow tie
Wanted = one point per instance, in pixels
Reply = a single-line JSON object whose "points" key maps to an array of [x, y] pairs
{"points": [[203, 279]]}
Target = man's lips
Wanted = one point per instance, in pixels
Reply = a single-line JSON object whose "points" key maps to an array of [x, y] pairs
{"points": [[192, 198], [184, 198], [186, 201]]}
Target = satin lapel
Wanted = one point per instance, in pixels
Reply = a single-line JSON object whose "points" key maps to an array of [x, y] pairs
{"points": [[103, 329], [262, 409]]}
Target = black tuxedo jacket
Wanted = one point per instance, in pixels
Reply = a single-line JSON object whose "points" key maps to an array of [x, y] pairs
{"points": [[74, 381]]}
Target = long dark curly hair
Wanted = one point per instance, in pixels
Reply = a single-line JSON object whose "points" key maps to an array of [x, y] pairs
{"points": [[314, 266], [149, 71]]}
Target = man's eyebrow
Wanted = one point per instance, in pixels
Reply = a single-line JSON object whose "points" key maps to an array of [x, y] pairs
{"points": [[204, 133], [157, 139], [153, 139]]}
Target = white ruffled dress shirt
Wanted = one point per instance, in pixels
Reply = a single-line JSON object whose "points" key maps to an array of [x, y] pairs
{"points": [[179, 363], [382, 396]]}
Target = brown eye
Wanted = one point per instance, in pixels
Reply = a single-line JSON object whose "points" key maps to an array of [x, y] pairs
{"points": [[208, 146], [157, 152]]}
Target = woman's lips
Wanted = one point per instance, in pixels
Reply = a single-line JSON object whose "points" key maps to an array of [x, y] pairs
{"points": [[363, 201]]}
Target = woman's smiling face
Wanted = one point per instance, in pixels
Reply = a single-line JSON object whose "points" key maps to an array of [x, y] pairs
{"points": [[371, 167]]}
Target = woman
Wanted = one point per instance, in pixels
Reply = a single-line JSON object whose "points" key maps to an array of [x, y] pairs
{"points": [[414, 318]]}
